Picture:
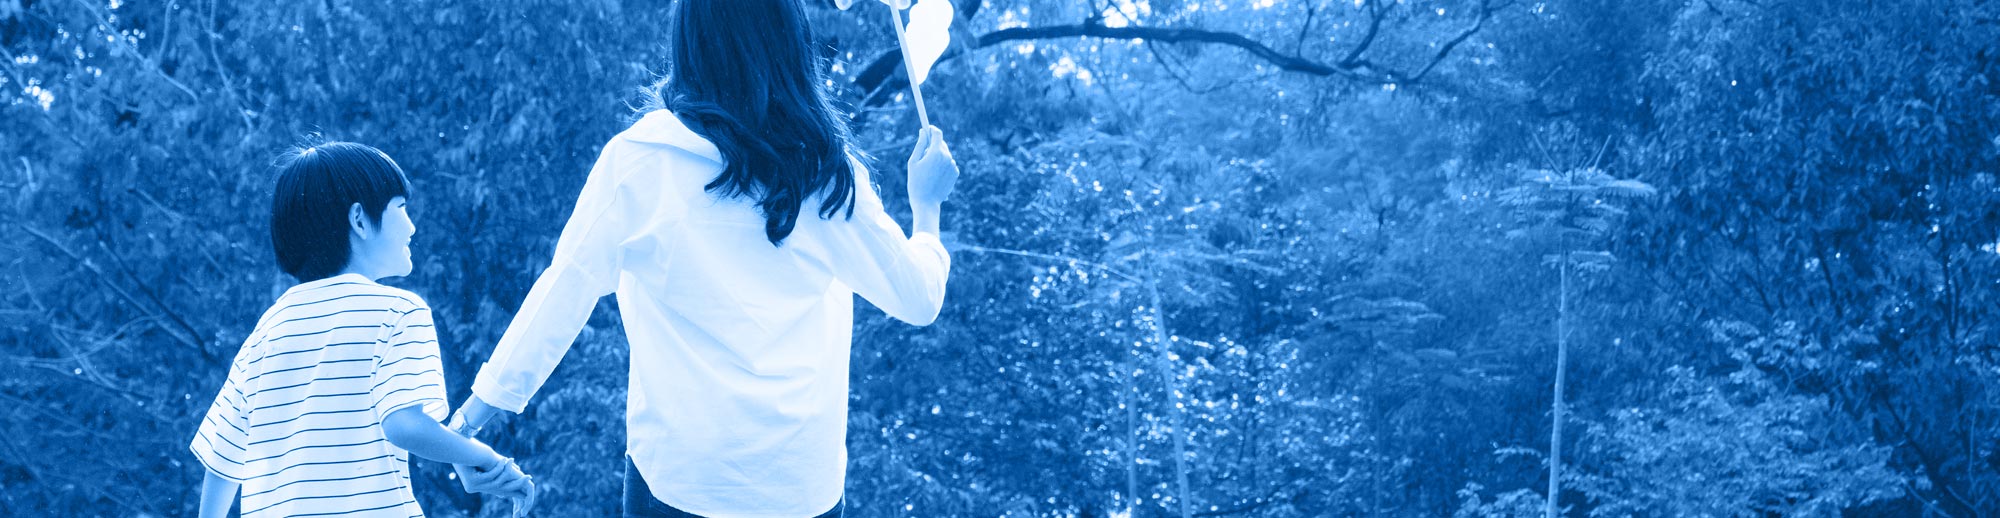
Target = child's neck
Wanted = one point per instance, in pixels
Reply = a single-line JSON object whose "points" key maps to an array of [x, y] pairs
{"points": [[358, 267]]}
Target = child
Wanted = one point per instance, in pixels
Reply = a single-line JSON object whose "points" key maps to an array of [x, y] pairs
{"points": [[340, 381]]}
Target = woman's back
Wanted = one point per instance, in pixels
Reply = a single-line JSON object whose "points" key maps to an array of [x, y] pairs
{"points": [[740, 347]]}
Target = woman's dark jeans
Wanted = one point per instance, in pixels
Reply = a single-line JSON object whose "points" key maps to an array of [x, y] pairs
{"points": [[639, 501]]}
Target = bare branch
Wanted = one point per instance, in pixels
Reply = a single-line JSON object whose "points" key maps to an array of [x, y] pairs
{"points": [[1485, 12], [100, 16], [1282, 60], [1181, 77], [1376, 14], [222, 72], [186, 336], [1312, 10], [878, 78]]}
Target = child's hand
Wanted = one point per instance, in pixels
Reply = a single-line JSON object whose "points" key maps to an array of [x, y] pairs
{"points": [[501, 478], [518, 488], [522, 505]]}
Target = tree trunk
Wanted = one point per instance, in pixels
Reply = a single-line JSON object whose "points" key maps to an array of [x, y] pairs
{"points": [[1553, 504], [1131, 437], [1173, 395]]}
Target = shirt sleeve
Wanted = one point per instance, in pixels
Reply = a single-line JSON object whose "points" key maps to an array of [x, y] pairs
{"points": [[219, 441], [904, 276], [407, 369], [586, 266]]}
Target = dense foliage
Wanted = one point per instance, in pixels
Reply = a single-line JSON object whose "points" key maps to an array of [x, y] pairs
{"points": [[1211, 257]]}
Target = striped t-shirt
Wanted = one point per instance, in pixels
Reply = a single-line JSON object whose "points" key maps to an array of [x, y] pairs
{"points": [[299, 421]]}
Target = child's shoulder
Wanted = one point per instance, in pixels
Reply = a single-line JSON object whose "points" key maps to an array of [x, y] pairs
{"points": [[396, 298], [399, 302], [341, 298]]}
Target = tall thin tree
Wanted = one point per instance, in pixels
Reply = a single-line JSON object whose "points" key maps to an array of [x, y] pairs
{"points": [[1575, 206]]}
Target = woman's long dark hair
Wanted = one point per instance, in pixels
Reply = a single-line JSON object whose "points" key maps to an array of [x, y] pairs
{"points": [[745, 77]]}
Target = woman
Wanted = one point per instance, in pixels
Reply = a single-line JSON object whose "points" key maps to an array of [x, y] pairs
{"points": [[735, 226]]}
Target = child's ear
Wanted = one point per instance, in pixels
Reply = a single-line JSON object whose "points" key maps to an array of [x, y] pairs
{"points": [[357, 220]]}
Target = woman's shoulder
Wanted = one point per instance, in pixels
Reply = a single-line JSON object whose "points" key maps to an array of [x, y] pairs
{"points": [[661, 128]]}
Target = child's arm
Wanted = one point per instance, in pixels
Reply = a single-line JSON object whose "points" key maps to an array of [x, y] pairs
{"points": [[217, 495], [412, 430], [409, 397], [215, 441]]}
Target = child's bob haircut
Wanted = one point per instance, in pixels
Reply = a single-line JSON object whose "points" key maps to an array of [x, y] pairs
{"points": [[316, 187]]}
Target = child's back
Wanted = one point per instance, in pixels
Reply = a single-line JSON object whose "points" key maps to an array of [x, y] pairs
{"points": [[299, 421]]}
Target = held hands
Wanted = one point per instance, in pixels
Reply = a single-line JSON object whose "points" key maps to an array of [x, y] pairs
{"points": [[500, 478], [933, 172]]}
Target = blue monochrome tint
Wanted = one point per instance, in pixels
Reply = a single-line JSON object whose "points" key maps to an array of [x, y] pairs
{"points": [[1000, 258]]}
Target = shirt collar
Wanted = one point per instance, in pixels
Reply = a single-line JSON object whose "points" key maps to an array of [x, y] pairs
{"points": [[662, 127], [337, 279]]}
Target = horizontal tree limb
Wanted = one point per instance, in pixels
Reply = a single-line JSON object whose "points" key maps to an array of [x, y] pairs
{"points": [[879, 79]]}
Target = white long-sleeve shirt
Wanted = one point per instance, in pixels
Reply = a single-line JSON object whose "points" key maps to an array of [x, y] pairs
{"points": [[737, 405]]}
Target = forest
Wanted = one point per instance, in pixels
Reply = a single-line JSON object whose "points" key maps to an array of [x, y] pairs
{"points": [[1211, 258]]}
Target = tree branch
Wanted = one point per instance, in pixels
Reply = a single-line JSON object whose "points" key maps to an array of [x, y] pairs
{"points": [[1485, 12], [103, 17], [1376, 13], [1283, 61], [1312, 10], [879, 78], [1180, 77], [186, 334]]}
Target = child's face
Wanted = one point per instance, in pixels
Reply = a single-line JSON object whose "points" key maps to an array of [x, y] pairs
{"points": [[386, 249]]}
